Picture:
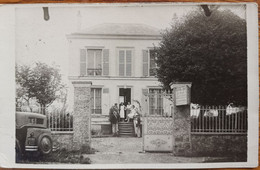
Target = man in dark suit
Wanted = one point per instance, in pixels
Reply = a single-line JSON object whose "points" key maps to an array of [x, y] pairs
{"points": [[114, 118]]}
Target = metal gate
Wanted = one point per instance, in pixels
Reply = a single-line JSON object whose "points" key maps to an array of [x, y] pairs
{"points": [[157, 134], [157, 121]]}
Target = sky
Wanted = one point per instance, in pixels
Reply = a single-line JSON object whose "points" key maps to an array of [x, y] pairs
{"points": [[45, 41]]}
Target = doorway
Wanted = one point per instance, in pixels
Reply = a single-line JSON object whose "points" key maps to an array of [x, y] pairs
{"points": [[125, 95]]}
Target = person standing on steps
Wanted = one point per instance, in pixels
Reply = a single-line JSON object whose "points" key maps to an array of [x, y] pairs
{"points": [[122, 111], [128, 110], [114, 118]]}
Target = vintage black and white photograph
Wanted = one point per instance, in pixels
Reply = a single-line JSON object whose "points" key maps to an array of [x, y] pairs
{"points": [[153, 83]]}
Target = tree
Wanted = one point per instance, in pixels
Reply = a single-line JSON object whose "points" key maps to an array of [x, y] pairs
{"points": [[22, 79], [209, 51], [41, 82]]}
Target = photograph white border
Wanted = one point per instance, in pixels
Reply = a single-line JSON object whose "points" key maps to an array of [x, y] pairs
{"points": [[7, 93]]}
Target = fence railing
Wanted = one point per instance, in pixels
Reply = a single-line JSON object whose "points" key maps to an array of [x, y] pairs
{"points": [[219, 119], [60, 121]]}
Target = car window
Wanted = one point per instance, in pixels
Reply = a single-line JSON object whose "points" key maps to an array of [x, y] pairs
{"points": [[34, 120], [39, 121]]}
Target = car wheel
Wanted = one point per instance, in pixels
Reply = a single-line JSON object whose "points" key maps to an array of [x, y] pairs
{"points": [[45, 145]]}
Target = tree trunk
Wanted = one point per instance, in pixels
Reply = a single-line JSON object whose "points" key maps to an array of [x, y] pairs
{"points": [[43, 109]]}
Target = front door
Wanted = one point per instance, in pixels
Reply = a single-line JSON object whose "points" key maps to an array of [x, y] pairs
{"points": [[125, 95]]}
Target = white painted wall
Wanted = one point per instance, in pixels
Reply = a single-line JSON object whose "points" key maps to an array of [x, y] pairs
{"points": [[108, 99], [113, 45], [135, 82]]}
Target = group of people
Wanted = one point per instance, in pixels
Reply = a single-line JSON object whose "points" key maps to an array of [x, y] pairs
{"points": [[128, 113]]}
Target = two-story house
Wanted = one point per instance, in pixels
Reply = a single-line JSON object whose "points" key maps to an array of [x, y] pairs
{"points": [[119, 60]]}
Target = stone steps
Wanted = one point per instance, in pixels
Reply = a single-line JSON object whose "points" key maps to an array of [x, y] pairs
{"points": [[126, 129]]}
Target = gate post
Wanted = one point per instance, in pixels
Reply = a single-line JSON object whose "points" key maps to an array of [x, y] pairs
{"points": [[181, 131], [82, 114], [182, 121]]}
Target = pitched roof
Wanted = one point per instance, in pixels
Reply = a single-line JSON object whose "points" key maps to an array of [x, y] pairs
{"points": [[120, 29]]}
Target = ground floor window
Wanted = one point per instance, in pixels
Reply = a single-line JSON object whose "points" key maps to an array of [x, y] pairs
{"points": [[155, 102], [96, 101]]}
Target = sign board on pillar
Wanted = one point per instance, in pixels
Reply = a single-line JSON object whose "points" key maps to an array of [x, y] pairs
{"points": [[182, 95]]}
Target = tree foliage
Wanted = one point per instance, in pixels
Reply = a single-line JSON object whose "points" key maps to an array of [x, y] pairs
{"points": [[209, 51], [41, 82]]}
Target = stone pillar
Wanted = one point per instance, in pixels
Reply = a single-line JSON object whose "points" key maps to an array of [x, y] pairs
{"points": [[182, 131], [82, 114]]}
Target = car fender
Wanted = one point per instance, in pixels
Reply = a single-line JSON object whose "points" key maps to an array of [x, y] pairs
{"points": [[39, 140]]}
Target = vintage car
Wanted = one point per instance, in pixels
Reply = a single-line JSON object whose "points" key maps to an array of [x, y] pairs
{"points": [[32, 134]]}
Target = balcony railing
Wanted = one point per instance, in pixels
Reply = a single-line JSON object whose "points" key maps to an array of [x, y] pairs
{"points": [[94, 71]]}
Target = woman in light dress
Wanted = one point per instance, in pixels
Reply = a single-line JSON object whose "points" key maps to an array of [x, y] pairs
{"points": [[132, 113], [122, 111]]}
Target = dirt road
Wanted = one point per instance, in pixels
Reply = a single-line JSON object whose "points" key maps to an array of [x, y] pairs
{"points": [[117, 150]]}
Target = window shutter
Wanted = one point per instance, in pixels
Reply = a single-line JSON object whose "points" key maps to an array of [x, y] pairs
{"points": [[121, 63], [106, 62], [152, 63], [128, 62], [145, 62], [83, 63]]}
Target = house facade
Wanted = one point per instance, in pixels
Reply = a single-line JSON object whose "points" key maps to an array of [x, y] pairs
{"points": [[119, 60]]}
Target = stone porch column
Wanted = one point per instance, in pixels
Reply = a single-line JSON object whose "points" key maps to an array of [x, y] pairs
{"points": [[82, 114]]}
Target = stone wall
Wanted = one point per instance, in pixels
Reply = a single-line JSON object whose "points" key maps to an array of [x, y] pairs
{"points": [[219, 145], [62, 139]]}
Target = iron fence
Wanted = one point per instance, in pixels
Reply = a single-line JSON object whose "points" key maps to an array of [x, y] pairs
{"points": [[219, 119], [59, 121]]}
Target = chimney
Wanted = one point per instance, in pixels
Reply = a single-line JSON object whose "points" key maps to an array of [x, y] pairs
{"points": [[78, 21]]}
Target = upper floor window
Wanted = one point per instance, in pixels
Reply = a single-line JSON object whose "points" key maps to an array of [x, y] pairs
{"points": [[94, 62], [149, 64], [94, 67], [125, 62]]}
